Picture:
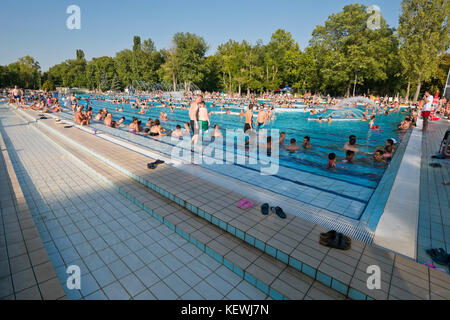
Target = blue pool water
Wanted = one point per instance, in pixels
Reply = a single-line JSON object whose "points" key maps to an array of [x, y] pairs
{"points": [[325, 138]]}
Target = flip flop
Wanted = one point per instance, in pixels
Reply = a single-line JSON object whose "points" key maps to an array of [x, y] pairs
{"points": [[247, 204], [241, 202], [338, 242], [279, 212], [430, 265], [329, 234], [435, 165], [67, 127], [244, 203], [265, 209], [158, 161], [439, 256]]}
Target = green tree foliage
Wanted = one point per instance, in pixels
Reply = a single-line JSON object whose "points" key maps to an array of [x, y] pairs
{"points": [[350, 47], [386, 61], [184, 61], [48, 86], [96, 68], [25, 73], [423, 35]]}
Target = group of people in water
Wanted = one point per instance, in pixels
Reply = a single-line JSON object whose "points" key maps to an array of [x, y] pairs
{"points": [[199, 118]]}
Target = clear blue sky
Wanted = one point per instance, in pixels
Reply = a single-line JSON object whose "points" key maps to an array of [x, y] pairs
{"points": [[38, 28]]}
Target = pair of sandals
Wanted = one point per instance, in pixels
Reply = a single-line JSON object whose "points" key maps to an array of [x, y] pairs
{"points": [[154, 165], [277, 210], [334, 239], [439, 256], [435, 165]]}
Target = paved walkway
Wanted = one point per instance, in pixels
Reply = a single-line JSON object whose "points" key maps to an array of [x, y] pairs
{"points": [[434, 214], [122, 251]]}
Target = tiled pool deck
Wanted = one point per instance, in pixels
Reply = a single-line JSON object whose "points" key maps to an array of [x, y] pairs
{"points": [[434, 210], [26, 271], [281, 257]]}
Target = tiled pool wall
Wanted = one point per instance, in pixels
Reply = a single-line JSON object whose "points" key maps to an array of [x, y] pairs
{"points": [[278, 254], [375, 207]]}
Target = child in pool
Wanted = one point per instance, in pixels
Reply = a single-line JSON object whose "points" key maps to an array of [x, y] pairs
{"points": [[331, 161], [349, 156], [378, 156]]}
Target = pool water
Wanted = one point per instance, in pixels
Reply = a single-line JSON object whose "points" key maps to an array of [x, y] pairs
{"points": [[302, 179], [325, 138]]}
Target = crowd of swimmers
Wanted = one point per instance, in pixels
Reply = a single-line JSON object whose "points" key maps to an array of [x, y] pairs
{"points": [[199, 117]]}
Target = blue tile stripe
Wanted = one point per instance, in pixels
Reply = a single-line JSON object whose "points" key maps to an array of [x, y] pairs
{"points": [[274, 252]]}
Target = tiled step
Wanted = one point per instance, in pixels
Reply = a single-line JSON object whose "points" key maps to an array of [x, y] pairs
{"points": [[261, 270], [292, 241]]}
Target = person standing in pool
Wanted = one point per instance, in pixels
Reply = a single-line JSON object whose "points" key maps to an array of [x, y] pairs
{"points": [[261, 117], [193, 114], [249, 118], [203, 118], [351, 144]]}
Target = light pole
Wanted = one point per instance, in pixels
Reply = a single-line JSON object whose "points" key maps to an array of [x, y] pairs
{"points": [[356, 79]]}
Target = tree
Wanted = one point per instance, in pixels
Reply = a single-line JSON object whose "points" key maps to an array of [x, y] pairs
{"points": [[212, 74], [115, 84], [184, 59], [232, 62], [25, 73], [96, 68], [105, 82], [423, 35], [349, 47], [438, 79], [48, 86], [281, 59]]}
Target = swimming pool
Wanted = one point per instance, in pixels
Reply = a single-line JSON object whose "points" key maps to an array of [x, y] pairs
{"points": [[302, 175]]}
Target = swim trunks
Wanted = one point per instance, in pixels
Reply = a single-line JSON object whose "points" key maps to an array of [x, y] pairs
{"points": [[193, 128], [203, 125], [425, 114], [246, 127]]}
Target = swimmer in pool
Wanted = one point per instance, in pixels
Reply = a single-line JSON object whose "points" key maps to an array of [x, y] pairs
{"points": [[293, 146], [349, 157], [331, 161], [378, 156], [306, 142], [351, 144]]}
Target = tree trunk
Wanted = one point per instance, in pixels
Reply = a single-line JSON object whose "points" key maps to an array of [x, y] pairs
{"points": [[419, 84], [407, 91], [347, 94], [174, 79], [239, 89]]}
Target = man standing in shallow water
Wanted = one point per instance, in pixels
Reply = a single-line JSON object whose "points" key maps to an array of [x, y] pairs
{"points": [[193, 114]]}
